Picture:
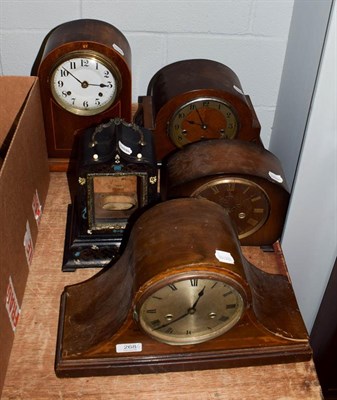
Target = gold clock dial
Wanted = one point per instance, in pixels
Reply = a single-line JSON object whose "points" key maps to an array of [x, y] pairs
{"points": [[246, 202], [84, 83], [191, 310], [202, 118]]}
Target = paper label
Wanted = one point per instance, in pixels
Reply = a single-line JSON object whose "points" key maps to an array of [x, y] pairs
{"points": [[125, 149], [224, 256], [117, 48], [28, 244], [12, 305], [37, 208], [129, 348], [276, 177], [238, 89]]}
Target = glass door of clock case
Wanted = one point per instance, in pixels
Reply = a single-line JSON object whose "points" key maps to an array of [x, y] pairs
{"points": [[113, 198]]}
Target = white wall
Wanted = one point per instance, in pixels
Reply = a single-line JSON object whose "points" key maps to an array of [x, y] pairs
{"points": [[250, 36], [306, 39], [310, 235]]}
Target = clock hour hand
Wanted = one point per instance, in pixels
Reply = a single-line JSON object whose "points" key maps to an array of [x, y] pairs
{"points": [[99, 84], [194, 123]]}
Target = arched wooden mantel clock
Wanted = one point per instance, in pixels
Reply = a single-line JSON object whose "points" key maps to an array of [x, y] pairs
{"points": [[181, 297], [245, 179], [196, 99], [84, 68]]}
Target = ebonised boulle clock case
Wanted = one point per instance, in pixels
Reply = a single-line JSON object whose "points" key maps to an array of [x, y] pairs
{"points": [[113, 178]]}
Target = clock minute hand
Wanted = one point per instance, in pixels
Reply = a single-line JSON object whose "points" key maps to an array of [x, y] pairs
{"points": [[200, 294], [203, 125], [171, 322], [73, 76], [189, 311]]}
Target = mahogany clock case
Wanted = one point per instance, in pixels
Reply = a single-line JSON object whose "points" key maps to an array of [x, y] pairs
{"points": [[215, 169], [99, 333], [112, 180], [196, 99], [89, 39]]}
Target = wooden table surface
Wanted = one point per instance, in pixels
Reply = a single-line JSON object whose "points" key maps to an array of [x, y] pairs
{"points": [[31, 374]]}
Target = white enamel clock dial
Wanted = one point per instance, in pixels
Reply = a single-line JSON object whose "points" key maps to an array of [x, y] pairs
{"points": [[84, 84]]}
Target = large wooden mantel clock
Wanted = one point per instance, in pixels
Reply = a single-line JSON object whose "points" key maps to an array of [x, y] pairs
{"points": [[183, 296], [85, 79]]}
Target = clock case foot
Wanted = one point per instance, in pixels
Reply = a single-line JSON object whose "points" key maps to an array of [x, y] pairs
{"points": [[82, 250]]}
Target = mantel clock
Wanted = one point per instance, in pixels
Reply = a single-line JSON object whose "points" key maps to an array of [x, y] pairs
{"points": [[196, 99], [84, 70], [182, 296], [244, 178]]}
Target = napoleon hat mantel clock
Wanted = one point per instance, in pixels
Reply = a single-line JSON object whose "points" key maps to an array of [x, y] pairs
{"points": [[84, 68], [196, 99], [181, 297]]}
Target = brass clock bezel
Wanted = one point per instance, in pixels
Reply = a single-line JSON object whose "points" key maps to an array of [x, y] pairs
{"points": [[175, 278], [171, 122], [92, 55], [242, 181]]}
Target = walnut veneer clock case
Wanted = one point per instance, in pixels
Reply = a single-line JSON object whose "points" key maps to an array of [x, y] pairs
{"points": [[114, 180], [197, 99], [244, 178], [181, 297], [85, 78]]}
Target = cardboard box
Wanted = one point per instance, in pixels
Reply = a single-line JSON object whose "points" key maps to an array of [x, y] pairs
{"points": [[24, 180]]}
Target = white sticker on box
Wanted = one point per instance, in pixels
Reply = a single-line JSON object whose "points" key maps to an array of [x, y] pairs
{"points": [[224, 256], [12, 305], [129, 348], [28, 244], [37, 208]]}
